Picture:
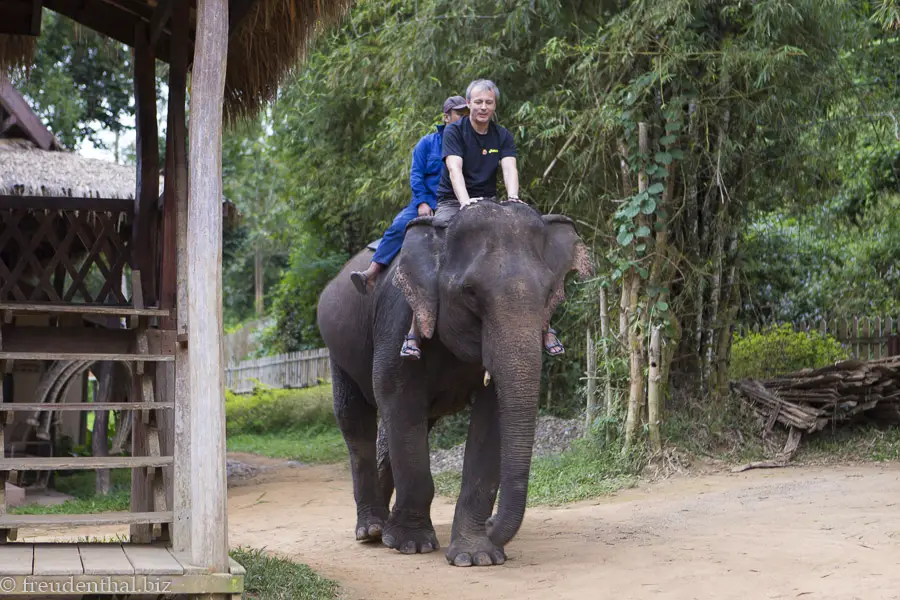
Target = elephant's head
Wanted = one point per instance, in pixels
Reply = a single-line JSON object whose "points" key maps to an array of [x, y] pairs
{"points": [[487, 284]]}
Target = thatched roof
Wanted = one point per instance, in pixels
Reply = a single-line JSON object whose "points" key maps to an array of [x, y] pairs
{"points": [[28, 170], [267, 39]]}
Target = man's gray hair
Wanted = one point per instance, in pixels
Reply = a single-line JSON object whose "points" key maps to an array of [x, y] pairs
{"points": [[485, 84]]}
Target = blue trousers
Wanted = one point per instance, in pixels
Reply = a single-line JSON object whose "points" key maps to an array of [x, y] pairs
{"points": [[390, 244]]}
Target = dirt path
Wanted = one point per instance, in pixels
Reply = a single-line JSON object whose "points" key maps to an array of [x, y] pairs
{"points": [[809, 533]]}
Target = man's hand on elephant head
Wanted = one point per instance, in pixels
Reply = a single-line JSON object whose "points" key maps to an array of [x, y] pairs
{"points": [[425, 210]]}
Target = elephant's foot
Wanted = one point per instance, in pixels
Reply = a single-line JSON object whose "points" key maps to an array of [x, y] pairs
{"points": [[410, 535], [480, 552], [369, 528]]}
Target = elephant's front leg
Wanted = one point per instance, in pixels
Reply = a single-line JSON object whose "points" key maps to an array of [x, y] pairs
{"points": [[404, 404], [469, 543]]}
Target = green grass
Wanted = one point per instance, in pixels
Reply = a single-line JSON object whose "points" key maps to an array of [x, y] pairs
{"points": [[305, 447], [81, 486], [274, 578], [589, 469]]}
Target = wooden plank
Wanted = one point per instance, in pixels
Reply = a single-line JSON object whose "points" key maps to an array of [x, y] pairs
{"points": [[15, 104], [152, 560], [16, 559], [114, 205], [209, 517], [145, 224], [57, 559], [160, 19], [84, 406], [181, 492], [85, 341], [82, 309], [104, 559], [80, 356], [84, 520], [192, 585], [83, 462]]}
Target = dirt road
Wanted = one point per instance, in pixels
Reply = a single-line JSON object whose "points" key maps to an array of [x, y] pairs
{"points": [[791, 533]]}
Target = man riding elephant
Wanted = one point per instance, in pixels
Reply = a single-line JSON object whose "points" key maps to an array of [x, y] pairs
{"points": [[474, 148], [424, 176]]}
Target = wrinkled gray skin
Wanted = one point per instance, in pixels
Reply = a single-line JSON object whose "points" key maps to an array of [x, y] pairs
{"points": [[482, 288]]}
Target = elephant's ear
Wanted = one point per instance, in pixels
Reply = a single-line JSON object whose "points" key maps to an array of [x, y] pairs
{"points": [[416, 272], [563, 252]]}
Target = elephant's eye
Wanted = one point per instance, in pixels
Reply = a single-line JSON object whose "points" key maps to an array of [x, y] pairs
{"points": [[468, 289]]}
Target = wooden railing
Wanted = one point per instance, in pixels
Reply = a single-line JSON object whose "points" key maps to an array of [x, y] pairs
{"points": [[865, 337], [294, 370], [64, 249]]}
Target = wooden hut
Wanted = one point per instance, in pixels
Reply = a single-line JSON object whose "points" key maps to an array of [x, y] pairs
{"points": [[166, 324]]}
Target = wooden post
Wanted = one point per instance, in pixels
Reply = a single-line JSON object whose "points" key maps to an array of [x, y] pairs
{"points": [[176, 209], [147, 148], [604, 336], [144, 236], [209, 517]]}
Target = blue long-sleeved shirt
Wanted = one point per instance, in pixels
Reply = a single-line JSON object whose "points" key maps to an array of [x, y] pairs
{"points": [[425, 172]]}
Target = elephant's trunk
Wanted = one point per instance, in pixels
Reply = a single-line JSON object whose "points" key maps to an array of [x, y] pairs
{"points": [[513, 358]]}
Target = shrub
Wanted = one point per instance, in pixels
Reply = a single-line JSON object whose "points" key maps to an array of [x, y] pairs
{"points": [[269, 410], [779, 350]]}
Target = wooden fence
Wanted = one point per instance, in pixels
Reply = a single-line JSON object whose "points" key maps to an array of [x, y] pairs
{"points": [[294, 370], [865, 337]]}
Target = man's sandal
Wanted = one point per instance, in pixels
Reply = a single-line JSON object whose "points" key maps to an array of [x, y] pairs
{"points": [[556, 347], [410, 352], [360, 282]]}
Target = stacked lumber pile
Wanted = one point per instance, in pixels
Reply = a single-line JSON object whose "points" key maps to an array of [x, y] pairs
{"points": [[811, 399]]}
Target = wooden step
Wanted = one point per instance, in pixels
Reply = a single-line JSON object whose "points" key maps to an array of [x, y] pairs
{"points": [[65, 463], [85, 343], [122, 518], [82, 309], [82, 406]]}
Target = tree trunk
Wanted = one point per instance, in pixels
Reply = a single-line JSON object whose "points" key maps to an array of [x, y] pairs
{"points": [[258, 279]]}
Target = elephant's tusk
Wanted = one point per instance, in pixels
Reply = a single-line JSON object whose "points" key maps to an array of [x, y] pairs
{"points": [[487, 377]]}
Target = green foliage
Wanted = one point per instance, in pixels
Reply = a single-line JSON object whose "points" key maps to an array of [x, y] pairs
{"points": [[274, 578], [450, 431], [269, 410], [780, 350], [297, 295], [292, 424], [81, 82]]}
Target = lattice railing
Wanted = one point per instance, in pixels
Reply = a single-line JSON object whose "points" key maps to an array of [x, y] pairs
{"points": [[64, 250]]}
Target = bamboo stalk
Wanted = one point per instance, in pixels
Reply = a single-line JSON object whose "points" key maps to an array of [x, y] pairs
{"points": [[653, 391]]}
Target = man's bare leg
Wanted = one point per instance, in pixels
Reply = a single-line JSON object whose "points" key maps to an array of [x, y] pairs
{"points": [[364, 281]]}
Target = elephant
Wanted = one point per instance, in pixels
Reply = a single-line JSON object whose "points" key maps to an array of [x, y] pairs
{"points": [[481, 287]]}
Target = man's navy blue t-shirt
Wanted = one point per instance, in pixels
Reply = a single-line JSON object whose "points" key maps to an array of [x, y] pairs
{"points": [[481, 155]]}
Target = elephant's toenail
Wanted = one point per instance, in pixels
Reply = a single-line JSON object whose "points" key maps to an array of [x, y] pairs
{"points": [[426, 548], [408, 548], [388, 540], [483, 560], [462, 560]]}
